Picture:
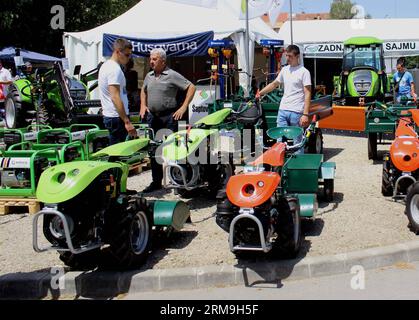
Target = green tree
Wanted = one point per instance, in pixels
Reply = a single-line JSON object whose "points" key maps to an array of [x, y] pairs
{"points": [[341, 9], [26, 23], [412, 62]]}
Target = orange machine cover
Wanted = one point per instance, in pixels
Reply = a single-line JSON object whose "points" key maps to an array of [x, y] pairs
{"points": [[404, 128], [415, 115], [250, 190], [274, 156], [405, 153]]}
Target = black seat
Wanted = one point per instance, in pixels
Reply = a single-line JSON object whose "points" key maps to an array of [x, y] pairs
{"points": [[250, 115]]}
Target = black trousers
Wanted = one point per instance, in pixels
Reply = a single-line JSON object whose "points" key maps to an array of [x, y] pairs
{"points": [[158, 122]]}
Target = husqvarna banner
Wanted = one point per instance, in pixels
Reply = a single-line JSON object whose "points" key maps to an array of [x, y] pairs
{"points": [[190, 45]]}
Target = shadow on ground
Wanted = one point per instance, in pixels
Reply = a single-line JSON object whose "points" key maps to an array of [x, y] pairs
{"points": [[97, 284], [259, 269], [330, 153]]}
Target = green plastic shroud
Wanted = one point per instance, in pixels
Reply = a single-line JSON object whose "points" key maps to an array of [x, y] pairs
{"points": [[65, 181], [123, 149]]}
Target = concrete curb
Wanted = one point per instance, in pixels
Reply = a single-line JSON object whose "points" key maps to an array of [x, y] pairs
{"points": [[38, 285]]}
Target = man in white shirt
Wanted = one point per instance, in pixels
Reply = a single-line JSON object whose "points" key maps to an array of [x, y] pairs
{"points": [[5, 80], [295, 104], [113, 93]]}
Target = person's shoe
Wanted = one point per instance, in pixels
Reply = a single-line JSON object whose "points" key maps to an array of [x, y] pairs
{"points": [[152, 187]]}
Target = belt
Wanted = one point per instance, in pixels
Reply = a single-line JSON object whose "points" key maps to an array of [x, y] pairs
{"points": [[163, 113]]}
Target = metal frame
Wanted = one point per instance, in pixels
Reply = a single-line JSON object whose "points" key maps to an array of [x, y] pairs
{"points": [[248, 214], [51, 211], [396, 185]]}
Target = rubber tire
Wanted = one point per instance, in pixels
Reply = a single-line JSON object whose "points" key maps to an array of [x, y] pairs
{"points": [[120, 254], [19, 121], [328, 189], [386, 186], [83, 261], [372, 146], [412, 195], [217, 183], [285, 245], [186, 194], [313, 141]]}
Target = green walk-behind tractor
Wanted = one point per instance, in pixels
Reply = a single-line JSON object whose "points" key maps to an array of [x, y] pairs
{"points": [[49, 98], [22, 164], [262, 208], [197, 158], [363, 78], [91, 218]]}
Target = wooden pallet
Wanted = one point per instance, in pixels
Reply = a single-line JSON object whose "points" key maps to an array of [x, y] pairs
{"points": [[140, 167], [7, 205]]}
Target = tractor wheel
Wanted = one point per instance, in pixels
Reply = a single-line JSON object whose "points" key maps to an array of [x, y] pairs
{"points": [[289, 238], [219, 177], [83, 261], [328, 189], [386, 186], [412, 208], [186, 194], [248, 255], [315, 143], [372, 146], [14, 112], [130, 237]]}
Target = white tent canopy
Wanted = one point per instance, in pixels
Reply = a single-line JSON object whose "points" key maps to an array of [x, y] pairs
{"points": [[324, 38], [159, 19]]}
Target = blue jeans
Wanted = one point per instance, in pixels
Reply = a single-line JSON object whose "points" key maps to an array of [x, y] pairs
{"points": [[116, 128], [287, 119]]}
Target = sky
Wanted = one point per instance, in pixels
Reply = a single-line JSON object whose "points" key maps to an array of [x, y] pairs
{"points": [[376, 8]]}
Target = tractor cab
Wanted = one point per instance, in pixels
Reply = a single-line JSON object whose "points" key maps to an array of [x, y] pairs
{"points": [[363, 78]]}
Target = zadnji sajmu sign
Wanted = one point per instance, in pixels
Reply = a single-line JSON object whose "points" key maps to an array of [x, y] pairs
{"points": [[337, 48]]}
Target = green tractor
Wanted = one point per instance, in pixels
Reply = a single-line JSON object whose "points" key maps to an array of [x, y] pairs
{"points": [[91, 218], [363, 78], [49, 98]]}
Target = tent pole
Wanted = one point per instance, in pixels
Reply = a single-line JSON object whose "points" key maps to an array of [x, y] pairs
{"points": [[246, 52], [292, 33]]}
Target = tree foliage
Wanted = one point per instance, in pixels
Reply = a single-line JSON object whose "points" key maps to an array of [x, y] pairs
{"points": [[341, 9], [27, 23]]}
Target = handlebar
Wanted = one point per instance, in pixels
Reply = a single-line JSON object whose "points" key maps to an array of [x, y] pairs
{"points": [[306, 136]]}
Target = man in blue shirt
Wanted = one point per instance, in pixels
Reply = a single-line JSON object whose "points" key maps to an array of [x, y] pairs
{"points": [[404, 84]]}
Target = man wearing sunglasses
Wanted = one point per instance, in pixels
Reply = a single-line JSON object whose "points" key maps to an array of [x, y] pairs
{"points": [[113, 93]]}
